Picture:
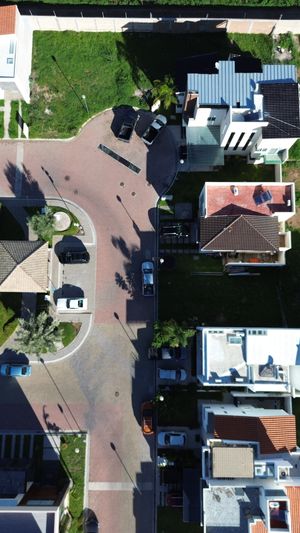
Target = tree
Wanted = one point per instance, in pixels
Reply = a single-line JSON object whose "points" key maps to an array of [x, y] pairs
{"points": [[164, 91], [38, 335], [43, 224], [170, 333]]}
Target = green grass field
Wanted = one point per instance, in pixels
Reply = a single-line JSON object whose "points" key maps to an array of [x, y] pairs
{"points": [[74, 464], [108, 68]]}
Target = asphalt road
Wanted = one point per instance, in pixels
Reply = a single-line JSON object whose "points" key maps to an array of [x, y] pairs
{"points": [[101, 387]]}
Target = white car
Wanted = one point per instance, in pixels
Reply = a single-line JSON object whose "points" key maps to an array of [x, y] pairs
{"points": [[148, 278], [71, 304], [154, 129], [173, 375], [171, 438]]}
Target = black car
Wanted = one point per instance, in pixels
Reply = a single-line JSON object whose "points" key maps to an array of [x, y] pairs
{"points": [[74, 256], [127, 126], [175, 230]]}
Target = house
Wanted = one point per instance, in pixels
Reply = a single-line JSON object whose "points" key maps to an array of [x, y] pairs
{"points": [[24, 266], [34, 489], [244, 222], [239, 107], [260, 359], [250, 474], [15, 53]]}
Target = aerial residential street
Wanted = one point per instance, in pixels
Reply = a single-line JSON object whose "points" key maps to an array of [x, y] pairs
{"points": [[100, 388]]}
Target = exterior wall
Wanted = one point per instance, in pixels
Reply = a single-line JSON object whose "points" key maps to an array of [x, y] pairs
{"points": [[239, 127], [203, 113], [280, 144], [23, 56], [102, 24]]}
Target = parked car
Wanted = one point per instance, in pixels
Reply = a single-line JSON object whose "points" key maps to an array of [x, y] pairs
{"points": [[15, 370], [147, 418], [154, 129], [148, 278], [172, 353], [74, 256], [175, 230], [71, 304], [91, 525], [171, 438], [127, 126], [173, 375]]}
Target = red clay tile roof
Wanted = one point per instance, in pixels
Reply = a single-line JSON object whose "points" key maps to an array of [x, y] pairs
{"points": [[274, 433], [243, 233], [220, 199], [7, 19], [259, 527], [294, 497]]}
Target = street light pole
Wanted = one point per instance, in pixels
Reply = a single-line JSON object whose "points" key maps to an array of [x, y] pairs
{"points": [[85, 103]]}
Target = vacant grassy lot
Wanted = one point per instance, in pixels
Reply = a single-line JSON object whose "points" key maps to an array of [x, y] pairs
{"points": [[218, 300], [108, 69]]}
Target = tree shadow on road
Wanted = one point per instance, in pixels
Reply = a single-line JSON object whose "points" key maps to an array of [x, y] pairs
{"points": [[22, 183]]}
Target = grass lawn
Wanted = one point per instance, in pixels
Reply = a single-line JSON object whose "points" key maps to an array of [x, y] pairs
{"points": [[69, 331], [10, 305], [220, 300], [1, 124], [10, 229], [170, 520], [115, 65], [13, 125], [74, 464], [74, 226], [179, 407]]}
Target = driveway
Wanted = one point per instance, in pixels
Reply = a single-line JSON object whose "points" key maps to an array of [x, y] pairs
{"points": [[100, 388]]}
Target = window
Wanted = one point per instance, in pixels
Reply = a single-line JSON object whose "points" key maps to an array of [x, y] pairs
{"points": [[238, 141], [248, 141], [11, 47], [229, 140], [9, 60], [211, 119]]}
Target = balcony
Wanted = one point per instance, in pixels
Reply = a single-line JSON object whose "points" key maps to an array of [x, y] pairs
{"points": [[278, 513]]}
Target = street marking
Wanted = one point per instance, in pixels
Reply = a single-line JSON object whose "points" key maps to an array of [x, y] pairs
{"points": [[19, 173], [114, 485]]}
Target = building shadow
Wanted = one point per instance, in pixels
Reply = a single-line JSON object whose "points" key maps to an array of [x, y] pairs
{"points": [[144, 498], [22, 183]]}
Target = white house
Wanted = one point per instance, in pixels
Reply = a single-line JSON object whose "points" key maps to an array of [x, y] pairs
{"points": [[260, 359], [244, 222], [250, 477], [15, 53], [240, 108]]}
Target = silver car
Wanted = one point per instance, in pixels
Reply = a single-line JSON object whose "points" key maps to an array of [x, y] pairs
{"points": [[171, 438]]}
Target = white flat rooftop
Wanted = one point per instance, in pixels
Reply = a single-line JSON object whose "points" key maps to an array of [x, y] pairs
{"points": [[276, 346], [7, 56]]}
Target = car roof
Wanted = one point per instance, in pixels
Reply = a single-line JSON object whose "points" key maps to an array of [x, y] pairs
{"points": [[147, 265]]}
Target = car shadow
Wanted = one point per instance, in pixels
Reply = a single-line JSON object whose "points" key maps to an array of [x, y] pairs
{"points": [[68, 291]]}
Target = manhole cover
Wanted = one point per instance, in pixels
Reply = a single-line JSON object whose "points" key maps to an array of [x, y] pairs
{"points": [[117, 394]]}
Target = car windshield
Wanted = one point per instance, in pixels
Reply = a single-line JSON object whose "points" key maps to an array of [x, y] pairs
{"points": [[167, 439], [24, 370]]}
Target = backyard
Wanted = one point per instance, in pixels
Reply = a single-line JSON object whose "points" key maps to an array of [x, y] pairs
{"points": [[118, 67]]}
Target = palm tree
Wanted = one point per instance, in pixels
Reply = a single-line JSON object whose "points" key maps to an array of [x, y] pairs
{"points": [[43, 224], [38, 335], [170, 333], [164, 91]]}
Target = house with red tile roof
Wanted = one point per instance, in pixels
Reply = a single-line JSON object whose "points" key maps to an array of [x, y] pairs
{"points": [[244, 222], [15, 53], [262, 360], [250, 476]]}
